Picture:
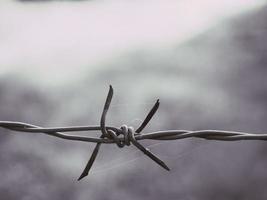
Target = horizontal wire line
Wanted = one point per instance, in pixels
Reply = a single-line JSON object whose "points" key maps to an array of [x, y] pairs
{"points": [[159, 135], [126, 135]]}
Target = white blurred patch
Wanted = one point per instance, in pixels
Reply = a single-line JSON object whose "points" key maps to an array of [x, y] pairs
{"points": [[59, 39]]}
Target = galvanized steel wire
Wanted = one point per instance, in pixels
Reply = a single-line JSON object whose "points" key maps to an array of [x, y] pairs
{"points": [[126, 135]]}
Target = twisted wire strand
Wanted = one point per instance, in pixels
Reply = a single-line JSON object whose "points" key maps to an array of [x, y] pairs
{"points": [[126, 135]]}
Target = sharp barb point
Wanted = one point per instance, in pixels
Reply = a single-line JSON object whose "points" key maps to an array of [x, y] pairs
{"points": [[90, 161], [82, 176], [148, 117]]}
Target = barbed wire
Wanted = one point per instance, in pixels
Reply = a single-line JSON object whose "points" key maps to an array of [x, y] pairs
{"points": [[126, 135]]}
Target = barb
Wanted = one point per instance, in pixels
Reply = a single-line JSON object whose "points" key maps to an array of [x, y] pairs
{"points": [[148, 117], [105, 133], [126, 135]]}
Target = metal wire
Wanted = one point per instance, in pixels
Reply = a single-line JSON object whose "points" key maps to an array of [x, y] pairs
{"points": [[126, 135]]}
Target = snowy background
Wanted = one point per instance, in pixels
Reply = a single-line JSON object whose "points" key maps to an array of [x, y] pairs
{"points": [[205, 60]]}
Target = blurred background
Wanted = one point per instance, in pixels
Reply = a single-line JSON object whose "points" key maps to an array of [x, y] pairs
{"points": [[205, 60]]}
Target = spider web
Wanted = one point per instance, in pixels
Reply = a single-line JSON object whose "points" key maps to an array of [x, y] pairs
{"points": [[175, 150]]}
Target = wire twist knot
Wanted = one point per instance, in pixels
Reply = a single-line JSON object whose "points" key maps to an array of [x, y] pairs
{"points": [[128, 133], [123, 136]]}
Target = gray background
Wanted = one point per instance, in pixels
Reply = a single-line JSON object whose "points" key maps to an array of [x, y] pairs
{"points": [[212, 77]]}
